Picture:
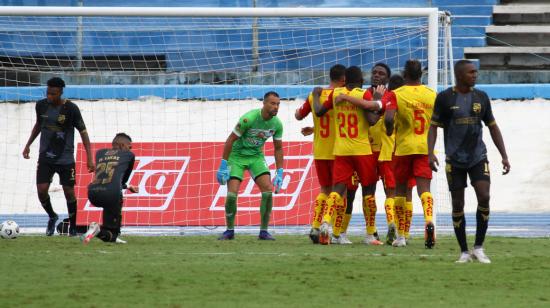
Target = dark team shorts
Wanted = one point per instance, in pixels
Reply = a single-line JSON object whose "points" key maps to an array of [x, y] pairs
{"points": [[364, 165], [408, 166], [324, 171], [112, 207], [45, 172], [456, 177]]}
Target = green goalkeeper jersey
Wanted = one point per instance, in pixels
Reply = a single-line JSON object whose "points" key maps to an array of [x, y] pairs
{"points": [[253, 131]]}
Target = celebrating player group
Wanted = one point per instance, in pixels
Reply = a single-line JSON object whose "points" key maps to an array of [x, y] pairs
{"points": [[363, 135]]}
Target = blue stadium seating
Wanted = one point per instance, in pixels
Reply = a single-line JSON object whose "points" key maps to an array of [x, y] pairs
{"points": [[180, 51]]}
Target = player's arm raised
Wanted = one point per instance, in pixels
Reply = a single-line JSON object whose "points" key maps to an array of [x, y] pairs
{"points": [[318, 106], [303, 111], [372, 105]]}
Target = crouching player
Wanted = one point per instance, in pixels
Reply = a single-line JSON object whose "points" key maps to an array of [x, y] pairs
{"points": [[113, 168]]}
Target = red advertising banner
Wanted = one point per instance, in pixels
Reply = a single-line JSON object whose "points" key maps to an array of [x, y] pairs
{"points": [[177, 183]]}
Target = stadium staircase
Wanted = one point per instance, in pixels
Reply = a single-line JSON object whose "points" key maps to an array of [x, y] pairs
{"points": [[518, 44]]}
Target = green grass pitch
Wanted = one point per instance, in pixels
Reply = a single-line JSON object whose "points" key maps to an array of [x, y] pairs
{"points": [[199, 271]]}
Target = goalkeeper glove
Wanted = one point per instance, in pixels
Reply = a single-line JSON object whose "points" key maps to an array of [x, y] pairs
{"points": [[278, 182], [223, 172]]}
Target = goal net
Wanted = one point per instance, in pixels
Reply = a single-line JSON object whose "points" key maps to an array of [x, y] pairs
{"points": [[177, 80]]}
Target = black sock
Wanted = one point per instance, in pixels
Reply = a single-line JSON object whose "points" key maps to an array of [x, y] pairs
{"points": [[71, 209], [47, 205], [482, 220], [459, 225]]}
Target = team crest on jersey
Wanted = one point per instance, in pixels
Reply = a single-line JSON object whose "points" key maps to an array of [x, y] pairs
{"points": [[61, 119], [476, 107]]}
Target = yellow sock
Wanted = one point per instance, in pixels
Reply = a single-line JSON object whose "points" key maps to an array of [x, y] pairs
{"points": [[339, 213], [389, 206], [408, 217], [427, 205], [332, 200], [345, 223], [400, 214], [369, 210], [320, 204]]}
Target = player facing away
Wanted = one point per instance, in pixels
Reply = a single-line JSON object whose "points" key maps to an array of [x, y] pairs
{"points": [[352, 150], [410, 107], [323, 144], [243, 150], [378, 140], [113, 169], [460, 110], [56, 119]]}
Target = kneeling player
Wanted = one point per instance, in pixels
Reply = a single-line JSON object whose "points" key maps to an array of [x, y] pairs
{"points": [[113, 168]]}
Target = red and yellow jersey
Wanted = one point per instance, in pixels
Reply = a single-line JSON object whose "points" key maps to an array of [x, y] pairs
{"points": [[414, 105], [352, 128], [379, 141], [323, 127]]}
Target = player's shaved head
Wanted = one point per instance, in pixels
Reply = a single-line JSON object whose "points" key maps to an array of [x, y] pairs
{"points": [[354, 77], [337, 72], [413, 70], [122, 141], [270, 93], [460, 66]]}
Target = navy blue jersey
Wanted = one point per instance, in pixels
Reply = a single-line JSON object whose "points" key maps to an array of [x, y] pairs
{"points": [[57, 124], [113, 168], [461, 117]]}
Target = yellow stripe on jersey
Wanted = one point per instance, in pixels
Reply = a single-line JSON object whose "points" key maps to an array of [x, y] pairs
{"points": [[380, 142], [352, 128], [415, 106], [323, 130]]}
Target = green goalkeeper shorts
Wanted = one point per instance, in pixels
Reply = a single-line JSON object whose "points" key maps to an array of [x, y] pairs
{"points": [[256, 165]]}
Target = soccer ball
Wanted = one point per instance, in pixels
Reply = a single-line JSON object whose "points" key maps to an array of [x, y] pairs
{"points": [[9, 229]]}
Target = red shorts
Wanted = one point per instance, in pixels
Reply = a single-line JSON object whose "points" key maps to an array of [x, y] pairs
{"points": [[324, 171], [364, 165], [385, 173], [409, 166]]}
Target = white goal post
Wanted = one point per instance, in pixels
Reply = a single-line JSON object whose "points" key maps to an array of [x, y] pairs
{"points": [[185, 90]]}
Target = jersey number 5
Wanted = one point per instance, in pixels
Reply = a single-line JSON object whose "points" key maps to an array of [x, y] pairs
{"points": [[419, 118], [352, 125], [104, 173]]}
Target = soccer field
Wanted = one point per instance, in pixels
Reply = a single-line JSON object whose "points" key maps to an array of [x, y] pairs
{"points": [[199, 271]]}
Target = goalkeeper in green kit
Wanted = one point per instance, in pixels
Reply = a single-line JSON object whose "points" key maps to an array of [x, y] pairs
{"points": [[243, 150]]}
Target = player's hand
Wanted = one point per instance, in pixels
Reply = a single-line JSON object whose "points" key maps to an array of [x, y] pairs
{"points": [[90, 164], [434, 163], [379, 92], [133, 189], [223, 173], [317, 91], [278, 181], [505, 166], [306, 131], [26, 152]]}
